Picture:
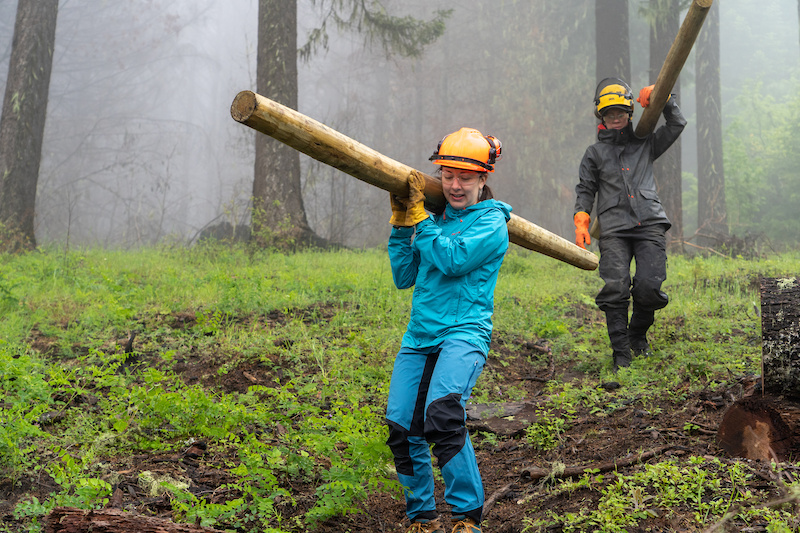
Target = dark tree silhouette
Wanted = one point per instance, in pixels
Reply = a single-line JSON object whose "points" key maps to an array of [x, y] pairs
{"points": [[279, 217], [711, 211], [611, 36], [664, 24], [23, 118]]}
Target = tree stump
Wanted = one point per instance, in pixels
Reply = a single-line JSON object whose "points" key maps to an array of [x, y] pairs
{"points": [[780, 334], [71, 520], [766, 425]]}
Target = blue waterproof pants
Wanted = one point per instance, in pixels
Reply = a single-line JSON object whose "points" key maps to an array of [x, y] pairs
{"points": [[427, 398]]}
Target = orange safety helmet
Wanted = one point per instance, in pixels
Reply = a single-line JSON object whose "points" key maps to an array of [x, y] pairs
{"points": [[468, 149]]}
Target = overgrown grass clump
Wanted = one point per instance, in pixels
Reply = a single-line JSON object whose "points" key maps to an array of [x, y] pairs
{"points": [[111, 354]]}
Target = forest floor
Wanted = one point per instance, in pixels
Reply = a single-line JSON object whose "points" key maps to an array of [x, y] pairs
{"points": [[515, 473]]}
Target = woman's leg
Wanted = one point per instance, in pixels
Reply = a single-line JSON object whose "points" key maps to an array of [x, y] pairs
{"points": [[457, 369], [404, 416]]}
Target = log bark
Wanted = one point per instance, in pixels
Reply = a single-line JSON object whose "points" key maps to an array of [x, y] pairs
{"points": [[671, 69], [71, 520], [339, 151], [780, 336]]}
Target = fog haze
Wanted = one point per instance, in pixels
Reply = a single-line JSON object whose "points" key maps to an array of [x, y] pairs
{"points": [[140, 147]]}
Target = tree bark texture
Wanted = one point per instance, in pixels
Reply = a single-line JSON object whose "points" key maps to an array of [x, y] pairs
{"points": [[612, 38], [667, 168], [765, 425], [712, 219], [780, 334], [71, 520], [277, 192], [23, 116]]}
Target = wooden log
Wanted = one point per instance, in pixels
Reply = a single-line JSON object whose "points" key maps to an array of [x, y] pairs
{"points": [[671, 69], [71, 520], [339, 151], [667, 76]]}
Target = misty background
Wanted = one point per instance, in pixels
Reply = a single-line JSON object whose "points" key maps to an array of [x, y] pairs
{"points": [[140, 147]]}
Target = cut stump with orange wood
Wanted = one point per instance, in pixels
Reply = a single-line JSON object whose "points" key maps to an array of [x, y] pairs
{"points": [[766, 425]]}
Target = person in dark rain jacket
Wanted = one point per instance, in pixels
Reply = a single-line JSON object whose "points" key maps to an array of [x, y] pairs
{"points": [[452, 260], [617, 171]]}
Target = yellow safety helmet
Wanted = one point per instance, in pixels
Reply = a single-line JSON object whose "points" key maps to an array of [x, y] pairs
{"points": [[468, 149], [612, 93]]}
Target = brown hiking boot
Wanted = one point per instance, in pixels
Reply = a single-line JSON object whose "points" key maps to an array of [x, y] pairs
{"points": [[426, 526], [466, 525]]}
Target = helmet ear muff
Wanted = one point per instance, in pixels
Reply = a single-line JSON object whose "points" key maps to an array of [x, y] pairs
{"points": [[495, 149], [439, 147]]}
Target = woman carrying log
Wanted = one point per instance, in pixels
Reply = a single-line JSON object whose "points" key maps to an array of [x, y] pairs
{"points": [[618, 170], [452, 260]]}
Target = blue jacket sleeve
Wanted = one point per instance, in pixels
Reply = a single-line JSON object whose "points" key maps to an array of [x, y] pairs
{"points": [[404, 260], [485, 239]]}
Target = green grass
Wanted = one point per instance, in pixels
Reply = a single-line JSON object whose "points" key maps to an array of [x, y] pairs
{"points": [[323, 329]]}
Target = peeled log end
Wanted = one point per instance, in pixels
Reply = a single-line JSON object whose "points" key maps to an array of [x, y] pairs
{"points": [[755, 428], [243, 106]]}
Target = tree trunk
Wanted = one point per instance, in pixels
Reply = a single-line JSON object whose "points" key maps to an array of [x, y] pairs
{"points": [[780, 334], [712, 225], [611, 35], [71, 520], [667, 168], [766, 425], [23, 119], [279, 216]]}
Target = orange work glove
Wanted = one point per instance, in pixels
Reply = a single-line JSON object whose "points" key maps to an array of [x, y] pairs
{"points": [[582, 236], [644, 95], [398, 211], [415, 203]]}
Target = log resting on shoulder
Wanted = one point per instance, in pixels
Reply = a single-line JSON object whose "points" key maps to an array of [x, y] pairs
{"points": [[339, 151]]}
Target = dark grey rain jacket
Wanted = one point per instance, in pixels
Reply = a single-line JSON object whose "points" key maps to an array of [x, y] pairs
{"points": [[618, 169]]}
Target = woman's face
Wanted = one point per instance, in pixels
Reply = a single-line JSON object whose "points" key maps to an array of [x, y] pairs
{"points": [[615, 119], [462, 187]]}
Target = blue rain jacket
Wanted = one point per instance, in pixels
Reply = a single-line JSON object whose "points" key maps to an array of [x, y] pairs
{"points": [[452, 263]]}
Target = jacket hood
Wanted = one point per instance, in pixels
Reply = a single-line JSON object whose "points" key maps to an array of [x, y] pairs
{"points": [[486, 204]]}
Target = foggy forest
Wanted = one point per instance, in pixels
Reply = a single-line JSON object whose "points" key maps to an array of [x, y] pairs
{"points": [[140, 148]]}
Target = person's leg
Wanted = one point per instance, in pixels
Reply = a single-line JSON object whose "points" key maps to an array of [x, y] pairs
{"points": [[650, 253], [613, 299], [459, 365], [404, 416]]}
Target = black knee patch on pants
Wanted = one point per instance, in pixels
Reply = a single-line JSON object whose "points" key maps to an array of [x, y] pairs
{"points": [[398, 443], [444, 427]]}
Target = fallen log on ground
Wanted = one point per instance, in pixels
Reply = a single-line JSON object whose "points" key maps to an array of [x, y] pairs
{"points": [[348, 155], [71, 520], [535, 473]]}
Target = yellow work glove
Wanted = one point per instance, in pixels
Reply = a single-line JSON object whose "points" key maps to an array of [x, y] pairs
{"points": [[398, 211], [415, 203], [582, 236]]}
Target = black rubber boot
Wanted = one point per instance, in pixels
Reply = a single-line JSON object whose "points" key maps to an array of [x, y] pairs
{"points": [[617, 323], [641, 320]]}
